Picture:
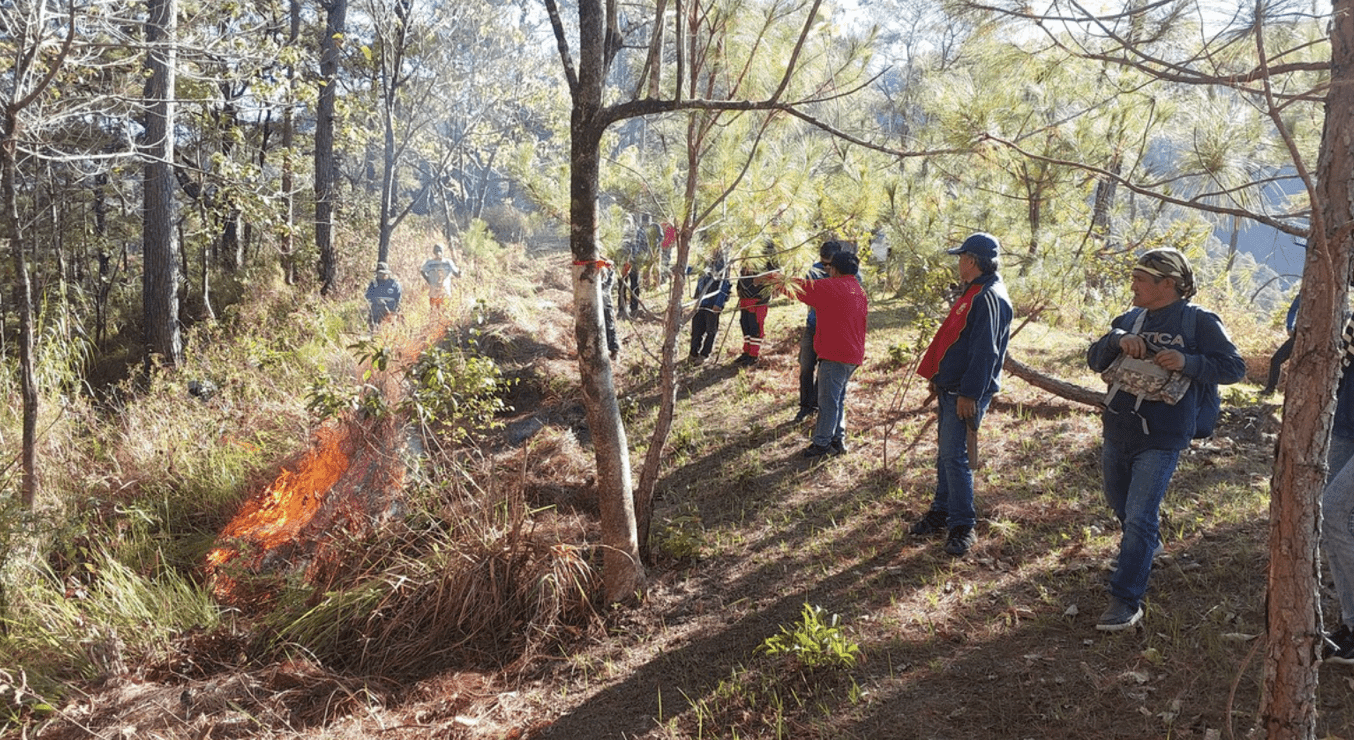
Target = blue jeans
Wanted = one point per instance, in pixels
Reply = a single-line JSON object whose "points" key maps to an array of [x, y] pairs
{"points": [[831, 423], [1337, 524], [954, 479], [1135, 484], [1341, 449]]}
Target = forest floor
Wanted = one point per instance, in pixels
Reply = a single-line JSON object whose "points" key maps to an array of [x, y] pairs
{"points": [[999, 644]]}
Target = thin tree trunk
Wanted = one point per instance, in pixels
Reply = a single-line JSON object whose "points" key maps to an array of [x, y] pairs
{"points": [[24, 298], [667, 402], [1292, 650], [288, 245]]}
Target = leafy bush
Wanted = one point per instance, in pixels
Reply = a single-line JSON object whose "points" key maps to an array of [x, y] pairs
{"points": [[456, 390], [815, 641]]}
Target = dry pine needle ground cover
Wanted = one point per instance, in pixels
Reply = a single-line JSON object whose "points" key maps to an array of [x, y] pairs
{"points": [[1000, 644]]}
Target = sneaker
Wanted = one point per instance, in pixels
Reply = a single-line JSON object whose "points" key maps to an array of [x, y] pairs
{"points": [[961, 539], [804, 414], [816, 451], [838, 446], [1338, 646], [1120, 615], [931, 524]]}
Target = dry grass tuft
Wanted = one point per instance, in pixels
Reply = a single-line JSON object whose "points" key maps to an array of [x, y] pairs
{"points": [[476, 583]]}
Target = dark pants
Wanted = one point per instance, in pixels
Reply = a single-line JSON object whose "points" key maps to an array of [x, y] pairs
{"points": [[703, 327], [630, 292], [808, 363], [1276, 362]]}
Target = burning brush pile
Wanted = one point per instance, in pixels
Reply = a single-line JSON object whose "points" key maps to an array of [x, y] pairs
{"points": [[392, 558]]}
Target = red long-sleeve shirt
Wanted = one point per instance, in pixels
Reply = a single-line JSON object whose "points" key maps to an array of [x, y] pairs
{"points": [[841, 307]]}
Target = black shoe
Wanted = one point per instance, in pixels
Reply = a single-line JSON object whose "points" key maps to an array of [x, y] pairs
{"points": [[745, 360], [931, 524], [1120, 615], [1338, 646], [816, 451], [838, 446], [960, 540], [804, 414]]}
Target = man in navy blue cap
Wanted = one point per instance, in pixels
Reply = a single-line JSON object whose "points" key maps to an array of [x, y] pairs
{"points": [[963, 364]]}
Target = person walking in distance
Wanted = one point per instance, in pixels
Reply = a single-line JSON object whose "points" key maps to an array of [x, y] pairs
{"points": [[437, 272], [383, 295], [754, 296], [963, 364], [712, 292]]}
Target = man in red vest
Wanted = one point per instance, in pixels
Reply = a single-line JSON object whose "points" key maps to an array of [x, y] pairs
{"points": [[963, 364]]}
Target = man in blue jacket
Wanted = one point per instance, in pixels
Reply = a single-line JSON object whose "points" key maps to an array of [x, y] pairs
{"points": [[1143, 438], [383, 295], [712, 292], [963, 363]]}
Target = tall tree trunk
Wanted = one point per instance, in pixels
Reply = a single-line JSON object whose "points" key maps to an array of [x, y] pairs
{"points": [[24, 298], [325, 169], [1293, 604], [288, 243], [623, 571], [160, 308], [388, 171]]}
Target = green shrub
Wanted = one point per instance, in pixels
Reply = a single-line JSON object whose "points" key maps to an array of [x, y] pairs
{"points": [[816, 641], [682, 537], [457, 391]]}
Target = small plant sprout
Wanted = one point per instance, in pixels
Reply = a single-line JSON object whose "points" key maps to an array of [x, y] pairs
{"points": [[816, 641]]}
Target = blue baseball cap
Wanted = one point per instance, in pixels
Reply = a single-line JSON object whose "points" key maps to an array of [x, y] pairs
{"points": [[978, 245]]}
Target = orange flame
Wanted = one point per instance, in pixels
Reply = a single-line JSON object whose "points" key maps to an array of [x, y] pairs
{"points": [[281, 513], [276, 514]]}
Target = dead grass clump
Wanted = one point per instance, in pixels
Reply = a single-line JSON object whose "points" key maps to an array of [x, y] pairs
{"points": [[556, 470], [481, 590]]}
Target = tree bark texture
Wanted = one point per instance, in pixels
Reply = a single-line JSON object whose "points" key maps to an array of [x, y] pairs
{"points": [[623, 571], [160, 276], [1293, 604], [325, 169]]}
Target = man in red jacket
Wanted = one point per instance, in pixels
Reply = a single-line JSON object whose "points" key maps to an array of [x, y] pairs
{"points": [[841, 307]]}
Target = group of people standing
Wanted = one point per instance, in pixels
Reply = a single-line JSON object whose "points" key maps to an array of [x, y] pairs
{"points": [[1143, 435]]}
